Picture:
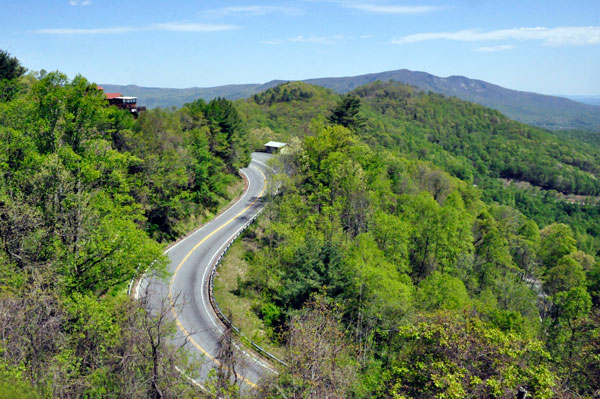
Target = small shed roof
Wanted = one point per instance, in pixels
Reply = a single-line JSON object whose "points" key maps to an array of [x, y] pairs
{"points": [[275, 144]]}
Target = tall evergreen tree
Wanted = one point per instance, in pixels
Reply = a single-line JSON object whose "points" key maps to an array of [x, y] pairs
{"points": [[347, 113], [10, 67], [10, 71]]}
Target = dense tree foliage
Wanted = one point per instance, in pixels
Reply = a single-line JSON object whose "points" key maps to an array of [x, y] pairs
{"points": [[393, 260], [86, 194], [458, 356], [283, 94], [442, 291], [494, 145], [10, 72], [534, 171], [10, 67], [346, 113], [285, 111]]}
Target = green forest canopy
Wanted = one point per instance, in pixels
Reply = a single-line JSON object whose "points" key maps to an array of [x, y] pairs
{"points": [[400, 223], [88, 194], [391, 239]]}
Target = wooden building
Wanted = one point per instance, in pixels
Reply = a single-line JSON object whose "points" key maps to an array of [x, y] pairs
{"points": [[123, 102]]}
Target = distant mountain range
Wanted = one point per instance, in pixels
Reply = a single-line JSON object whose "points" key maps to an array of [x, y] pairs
{"points": [[551, 112], [593, 100]]}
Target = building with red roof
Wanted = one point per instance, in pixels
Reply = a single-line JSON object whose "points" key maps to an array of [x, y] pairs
{"points": [[123, 102], [110, 96]]}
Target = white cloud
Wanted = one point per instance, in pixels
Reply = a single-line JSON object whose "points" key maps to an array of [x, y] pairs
{"points": [[316, 39], [254, 10], [80, 2], [169, 27], [89, 31], [307, 39], [389, 9], [493, 49], [381, 7], [181, 27], [561, 36], [273, 42]]}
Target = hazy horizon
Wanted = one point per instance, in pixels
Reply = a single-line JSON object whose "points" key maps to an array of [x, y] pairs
{"points": [[545, 47]]}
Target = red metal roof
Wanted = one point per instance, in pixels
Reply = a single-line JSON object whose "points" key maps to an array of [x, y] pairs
{"points": [[112, 95]]}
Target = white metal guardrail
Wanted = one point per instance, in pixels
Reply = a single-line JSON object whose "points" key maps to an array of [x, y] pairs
{"points": [[218, 310], [214, 303]]}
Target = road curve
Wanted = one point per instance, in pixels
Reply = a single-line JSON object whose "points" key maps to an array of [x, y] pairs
{"points": [[191, 260]]}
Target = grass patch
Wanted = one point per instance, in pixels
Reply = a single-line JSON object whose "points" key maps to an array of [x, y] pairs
{"points": [[230, 276]]}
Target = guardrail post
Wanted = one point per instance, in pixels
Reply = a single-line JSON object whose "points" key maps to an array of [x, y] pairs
{"points": [[216, 307]]}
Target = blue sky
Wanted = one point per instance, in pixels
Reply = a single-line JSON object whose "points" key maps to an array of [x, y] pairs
{"points": [[546, 46]]}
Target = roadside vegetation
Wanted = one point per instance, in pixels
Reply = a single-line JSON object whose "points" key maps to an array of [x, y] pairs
{"points": [[392, 261], [392, 227], [89, 197]]}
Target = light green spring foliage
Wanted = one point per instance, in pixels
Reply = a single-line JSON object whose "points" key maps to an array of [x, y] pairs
{"points": [[13, 385], [442, 291], [453, 355], [286, 110], [393, 239], [471, 142], [384, 250], [69, 189], [375, 217], [86, 193]]}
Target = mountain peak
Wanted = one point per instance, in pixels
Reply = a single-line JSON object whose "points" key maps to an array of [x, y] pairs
{"points": [[545, 111]]}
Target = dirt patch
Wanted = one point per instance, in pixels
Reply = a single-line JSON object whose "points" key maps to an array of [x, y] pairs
{"points": [[570, 198]]}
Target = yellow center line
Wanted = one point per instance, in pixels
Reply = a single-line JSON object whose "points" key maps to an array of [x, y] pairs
{"points": [[181, 327]]}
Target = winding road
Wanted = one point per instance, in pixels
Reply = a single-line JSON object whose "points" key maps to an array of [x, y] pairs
{"points": [[191, 261]]}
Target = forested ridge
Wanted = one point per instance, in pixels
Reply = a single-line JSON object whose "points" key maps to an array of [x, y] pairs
{"points": [[552, 112], [392, 239], [474, 143], [89, 196], [391, 260]]}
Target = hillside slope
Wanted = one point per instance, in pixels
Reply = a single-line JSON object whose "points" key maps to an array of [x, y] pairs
{"points": [[154, 97], [468, 140], [390, 203], [592, 100], [474, 143], [535, 109], [549, 112]]}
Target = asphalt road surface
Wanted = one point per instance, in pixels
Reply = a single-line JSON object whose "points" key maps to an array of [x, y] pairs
{"points": [[190, 265]]}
